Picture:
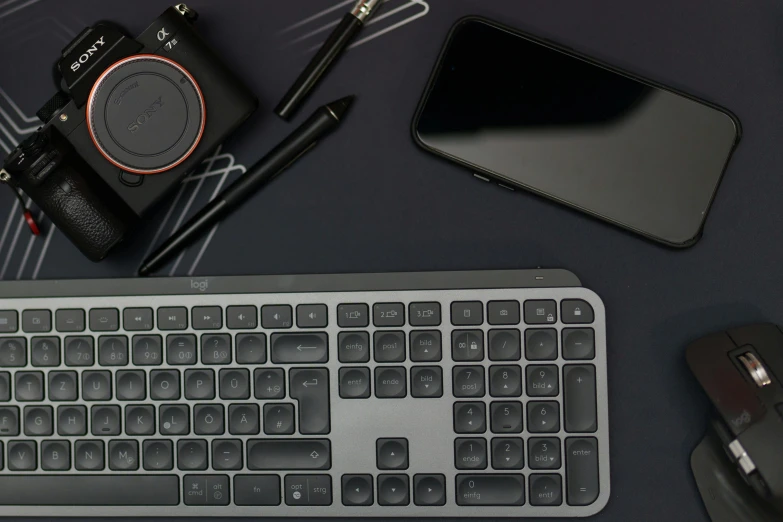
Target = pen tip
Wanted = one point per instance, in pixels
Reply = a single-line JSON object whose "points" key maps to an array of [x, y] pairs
{"points": [[341, 106]]}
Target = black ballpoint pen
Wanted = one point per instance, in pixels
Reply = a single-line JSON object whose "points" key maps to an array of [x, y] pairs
{"points": [[351, 23], [322, 122]]}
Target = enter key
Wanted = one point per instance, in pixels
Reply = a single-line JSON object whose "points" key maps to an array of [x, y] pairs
{"points": [[310, 386]]}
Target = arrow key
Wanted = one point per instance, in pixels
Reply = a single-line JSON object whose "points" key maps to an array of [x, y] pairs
{"points": [[393, 490], [357, 490], [392, 453], [543, 417], [508, 453], [429, 490], [470, 417]]}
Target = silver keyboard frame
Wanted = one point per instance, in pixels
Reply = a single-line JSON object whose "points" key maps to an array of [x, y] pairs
{"points": [[355, 423]]}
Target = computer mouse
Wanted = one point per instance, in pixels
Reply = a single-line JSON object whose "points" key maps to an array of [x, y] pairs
{"points": [[738, 466]]}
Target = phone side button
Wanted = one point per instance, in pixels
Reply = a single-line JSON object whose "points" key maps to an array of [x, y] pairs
{"points": [[482, 178]]}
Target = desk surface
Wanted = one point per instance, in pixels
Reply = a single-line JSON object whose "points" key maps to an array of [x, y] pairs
{"points": [[370, 201]]}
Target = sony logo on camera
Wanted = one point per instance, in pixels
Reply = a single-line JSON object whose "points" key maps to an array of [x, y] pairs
{"points": [[145, 116], [85, 57]]}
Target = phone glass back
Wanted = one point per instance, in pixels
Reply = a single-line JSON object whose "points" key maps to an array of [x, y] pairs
{"points": [[534, 115]]}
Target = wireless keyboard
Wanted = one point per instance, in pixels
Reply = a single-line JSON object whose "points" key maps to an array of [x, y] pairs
{"points": [[480, 394]]}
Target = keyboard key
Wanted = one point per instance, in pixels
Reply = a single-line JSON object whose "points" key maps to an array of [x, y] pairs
{"points": [[310, 386], [389, 346], [87, 456], [123, 455], [131, 385], [137, 319], [468, 381], [79, 351], [208, 419], [308, 490], [55, 455], [544, 453], [279, 419], [9, 421], [164, 385], [191, 455], [429, 490], [354, 383], [199, 384], [22, 456], [542, 381], [467, 345], [235, 384], [470, 417], [105, 420], [469, 313], [541, 345], [505, 381], [490, 490], [71, 420], [70, 320], [393, 490], [5, 386], [579, 400], [13, 352], [391, 453], [147, 350], [36, 321], [251, 348], [388, 314], [140, 420], [581, 471], [426, 381], [104, 320], [158, 455], [576, 311], [257, 490], [29, 386], [546, 490], [540, 312], [353, 347], [503, 312], [207, 318], [283, 454], [470, 453], [508, 453], [216, 349], [38, 421], [311, 316], [242, 317], [504, 345], [206, 490], [299, 348], [113, 350], [543, 417], [174, 419], [96, 386], [243, 419], [426, 346], [181, 349], [390, 382], [353, 315], [506, 417], [357, 490], [9, 321], [578, 343], [173, 318], [89, 490], [62, 386], [275, 317], [424, 314], [227, 454], [270, 383]]}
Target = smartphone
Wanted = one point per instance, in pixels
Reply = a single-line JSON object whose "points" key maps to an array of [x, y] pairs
{"points": [[529, 113]]}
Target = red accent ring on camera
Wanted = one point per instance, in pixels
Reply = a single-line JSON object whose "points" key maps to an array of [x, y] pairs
{"points": [[108, 71]]}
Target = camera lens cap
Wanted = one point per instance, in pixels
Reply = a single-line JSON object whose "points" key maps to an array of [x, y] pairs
{"points": [[146, 114]]}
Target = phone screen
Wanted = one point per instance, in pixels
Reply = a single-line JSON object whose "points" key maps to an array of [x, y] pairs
{"points": [[597, 139]]}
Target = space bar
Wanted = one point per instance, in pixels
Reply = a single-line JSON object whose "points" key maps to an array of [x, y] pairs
{"points": [[89, 490]]}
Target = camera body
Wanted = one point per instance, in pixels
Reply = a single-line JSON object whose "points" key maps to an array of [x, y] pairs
{"points": [[129, 123]]}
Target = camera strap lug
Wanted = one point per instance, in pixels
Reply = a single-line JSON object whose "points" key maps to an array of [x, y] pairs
{"points": [[187, 12], [5, 177]]}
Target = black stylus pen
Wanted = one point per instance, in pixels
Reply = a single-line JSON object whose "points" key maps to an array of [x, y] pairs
{"points": [[326, 56], [323, 121]]}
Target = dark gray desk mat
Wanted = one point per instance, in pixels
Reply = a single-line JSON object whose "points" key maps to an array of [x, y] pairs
{"points": [[367, 200]]}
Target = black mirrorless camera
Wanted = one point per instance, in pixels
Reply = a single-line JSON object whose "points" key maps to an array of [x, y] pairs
{"points": [[134, 116]]}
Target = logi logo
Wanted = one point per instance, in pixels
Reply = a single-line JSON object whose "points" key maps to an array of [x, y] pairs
{"points": [[201, 286]]}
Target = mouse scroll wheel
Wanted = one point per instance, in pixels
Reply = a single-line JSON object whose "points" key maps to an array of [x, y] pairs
{"points": [[755, 369]]}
